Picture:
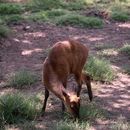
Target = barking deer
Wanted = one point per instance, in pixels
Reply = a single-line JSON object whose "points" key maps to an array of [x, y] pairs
{"points": [[65, 58]]}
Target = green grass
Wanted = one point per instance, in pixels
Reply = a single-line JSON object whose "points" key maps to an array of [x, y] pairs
{"points": [[21, 79], [4, 31], [12, 19], [15, 108], [102, 46], [70, 125], [108, 52], [8, 8], [91, 112], [74, 5], [79, 20], [56, 12], [125, 49], [126, 69], [48, 15], [87, 113], [99, 69], [120, 124], [120, 16], [45, 4]]}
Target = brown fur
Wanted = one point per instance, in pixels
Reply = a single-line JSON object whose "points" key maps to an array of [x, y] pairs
{"points": [[65, 58]]}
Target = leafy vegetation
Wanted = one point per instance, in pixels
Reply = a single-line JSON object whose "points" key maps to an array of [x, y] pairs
{"points": [[99, 69], [16, 108], [79, 20], [22, 78]]}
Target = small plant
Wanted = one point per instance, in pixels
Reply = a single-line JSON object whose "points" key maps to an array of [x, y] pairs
{"points": [[16, 108], [4, 31], [8, 8], [120, 16], [22, 78], [99, 69], [79, 20], [125, 49]]}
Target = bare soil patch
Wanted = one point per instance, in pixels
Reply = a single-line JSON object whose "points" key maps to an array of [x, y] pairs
{"points": [[25, 49]]}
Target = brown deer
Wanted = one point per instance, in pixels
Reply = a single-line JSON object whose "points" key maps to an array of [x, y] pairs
{"points": [[65, 58]]}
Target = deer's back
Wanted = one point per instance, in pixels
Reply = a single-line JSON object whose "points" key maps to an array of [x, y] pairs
{"points": [[67, 57]]}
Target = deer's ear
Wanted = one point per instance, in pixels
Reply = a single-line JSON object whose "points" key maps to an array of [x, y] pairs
{"points": [[65, 94]]}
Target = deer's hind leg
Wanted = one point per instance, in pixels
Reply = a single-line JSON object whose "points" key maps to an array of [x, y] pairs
{"points": [[45, 101]]}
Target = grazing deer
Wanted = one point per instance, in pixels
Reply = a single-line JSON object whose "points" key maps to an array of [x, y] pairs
{"points": [[65, 58]]}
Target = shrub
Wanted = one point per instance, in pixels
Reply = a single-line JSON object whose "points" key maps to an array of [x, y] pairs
{"points": [[79, 20], [120, 16], [99, 69], [4, 31], [125, 49], [22, 78], [16, 108], [7, 8]]}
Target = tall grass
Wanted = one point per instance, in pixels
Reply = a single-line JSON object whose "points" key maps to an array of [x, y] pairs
{"points": [[21, 79], [125, 49], [4, 31], [16, 108], [79, 20], [45, 4], [99, 69], [8, 8]]}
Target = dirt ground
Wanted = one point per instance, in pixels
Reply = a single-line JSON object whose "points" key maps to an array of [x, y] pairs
{"points": [[25, 49]]}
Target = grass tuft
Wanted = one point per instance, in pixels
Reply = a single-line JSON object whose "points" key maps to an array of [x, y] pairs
{"points": [[22, 78], [79, 20], [70, 125], [45, 4], [56, 12], [8, 8], [120, 16], [74, 5], [15, 108], [91, 111], [4, 31], [125, 49], [99, 69]]}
